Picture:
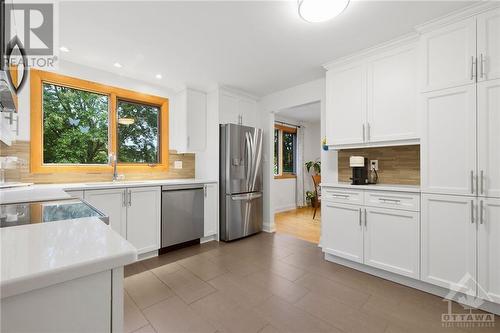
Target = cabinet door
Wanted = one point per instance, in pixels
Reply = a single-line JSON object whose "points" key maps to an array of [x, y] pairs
{"points": [[449, 141], [144, 218], [392, 240], [448, 55], [449, 242], [392, 96], [489, 250], [196, 120], [488, 45], [342, 232], [76, 194], [112, 203], [229, 109], [488, 110], [346, 105], [211, 207]]}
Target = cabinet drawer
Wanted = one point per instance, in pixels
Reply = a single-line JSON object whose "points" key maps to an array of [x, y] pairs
{"points": [[330, 194], [395, 200]]}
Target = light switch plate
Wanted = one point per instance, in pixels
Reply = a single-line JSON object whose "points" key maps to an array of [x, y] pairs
{"points": [[177, 164], [374, 163]]}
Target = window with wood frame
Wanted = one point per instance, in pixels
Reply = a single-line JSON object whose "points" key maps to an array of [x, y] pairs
{"points": [[76, 124], [285, 151]]}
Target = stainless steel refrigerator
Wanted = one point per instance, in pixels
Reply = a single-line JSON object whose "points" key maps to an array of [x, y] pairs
{"points": [[240, 181]]}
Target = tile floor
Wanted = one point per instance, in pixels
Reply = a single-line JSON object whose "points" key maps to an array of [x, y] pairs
{"points": [[271, 283]]}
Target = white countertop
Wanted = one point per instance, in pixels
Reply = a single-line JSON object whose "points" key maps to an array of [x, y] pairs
{"points": [[375, 187], [39, 255], [46, 192]]}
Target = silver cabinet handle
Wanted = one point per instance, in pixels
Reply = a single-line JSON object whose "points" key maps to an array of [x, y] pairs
{"points": [[366, 222], [481, 211], [360, 219], [129, 197], [472, 211], [343, 196], [482, 65], [368, 132], [481, 182], [124, 197], [472, 67], [205, 190], [472, 181], [364, 139], [394, 201]]}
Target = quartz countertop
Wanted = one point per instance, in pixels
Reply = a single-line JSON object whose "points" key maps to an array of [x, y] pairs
{"points": [[46, 192], [39, 255], [375, 187]]}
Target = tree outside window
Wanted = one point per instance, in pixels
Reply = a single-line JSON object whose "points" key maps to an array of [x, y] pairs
{"points": [[285, 148]]}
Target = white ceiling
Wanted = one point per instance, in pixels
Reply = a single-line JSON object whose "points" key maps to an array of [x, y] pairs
{"points": [[257, 46], [307, 113]]}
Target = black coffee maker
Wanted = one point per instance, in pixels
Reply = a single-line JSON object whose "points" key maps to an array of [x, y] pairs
{"points": [[359, 165]]}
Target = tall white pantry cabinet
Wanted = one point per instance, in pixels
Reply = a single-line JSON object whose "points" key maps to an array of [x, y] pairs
{"points": [[460, 155]]}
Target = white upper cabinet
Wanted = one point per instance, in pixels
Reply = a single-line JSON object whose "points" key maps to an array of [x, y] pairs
{"points": [[188, 121], [235, 109], [143, 218], [488, 109], [449, 56], [489, 250], [392, 96], [488, 45], [346, 105], [448, 251], [448, 160]]}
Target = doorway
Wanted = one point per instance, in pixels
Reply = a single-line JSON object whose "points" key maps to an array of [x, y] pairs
{"points": [[296, 196]]}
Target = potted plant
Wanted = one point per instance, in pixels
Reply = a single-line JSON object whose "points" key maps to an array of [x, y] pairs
{"points": [[315, 166], [311, 198]]}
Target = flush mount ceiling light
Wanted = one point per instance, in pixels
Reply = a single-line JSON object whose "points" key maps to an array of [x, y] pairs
{"points": [[64, 49], [158, 76], [117, 65], [126, 121], [320, 10]]}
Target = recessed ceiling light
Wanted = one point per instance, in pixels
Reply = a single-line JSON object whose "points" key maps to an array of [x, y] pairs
{"points": [[64, 49], [117, 65], [320, 10], [158, 76]]}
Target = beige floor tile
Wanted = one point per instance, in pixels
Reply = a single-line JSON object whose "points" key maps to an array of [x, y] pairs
{"points": [[173, 315], [186, 285], [269, 329], [239, 290], [332, 289], [283, 269], [133, 318], [237, 264], [340, 315], [146, 289], [227, 315], [277, 285], [146, 329], [202, 267], [289, 318], [166, 269], [134, 268]]}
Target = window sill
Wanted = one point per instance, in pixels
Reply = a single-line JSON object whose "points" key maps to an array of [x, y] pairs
{"points": [[285, 177]]}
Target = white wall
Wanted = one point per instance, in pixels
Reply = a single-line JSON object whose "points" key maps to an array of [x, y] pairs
{"points": [[284, 191], [312, 149]]}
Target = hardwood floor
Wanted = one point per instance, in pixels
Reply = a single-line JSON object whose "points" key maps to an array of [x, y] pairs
{"points": [[299, 223]]}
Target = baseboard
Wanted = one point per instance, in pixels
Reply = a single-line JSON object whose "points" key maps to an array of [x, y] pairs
{"points": [[209, 239], [284, 208], [267, 227], [410, 282]]}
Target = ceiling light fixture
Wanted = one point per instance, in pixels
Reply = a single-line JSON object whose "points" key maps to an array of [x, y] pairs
{"points": [[117, 65], [314, 11], [158, 76], [64, 49], [126, 121]]}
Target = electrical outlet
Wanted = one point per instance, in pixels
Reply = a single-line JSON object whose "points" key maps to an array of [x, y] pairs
{"points": [[374, 163], [177, 164]]}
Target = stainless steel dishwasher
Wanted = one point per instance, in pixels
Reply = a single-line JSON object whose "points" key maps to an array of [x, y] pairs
{"points": [[182, 214]]}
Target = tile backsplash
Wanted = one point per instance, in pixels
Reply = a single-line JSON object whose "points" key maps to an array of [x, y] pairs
{"points": [[397, 165], [22, 173]]}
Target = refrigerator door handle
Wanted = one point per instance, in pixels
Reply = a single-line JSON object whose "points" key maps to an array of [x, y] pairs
{"points": [[246, 197]]}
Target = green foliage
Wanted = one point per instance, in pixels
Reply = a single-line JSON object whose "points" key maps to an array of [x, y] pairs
{"points": [[315, 165], [309, 195], [138, 142], [75, 126]]}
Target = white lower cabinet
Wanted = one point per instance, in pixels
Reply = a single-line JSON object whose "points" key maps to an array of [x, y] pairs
{"points": [[342, 231], [143, 218], [391, 240], [211, 207], [449, 242], [489, 249], [135, 213]]}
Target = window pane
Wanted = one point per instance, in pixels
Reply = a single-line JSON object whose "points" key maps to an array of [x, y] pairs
{"points": [[276, 152], [138, 133], [75, 126], [289, 142]]}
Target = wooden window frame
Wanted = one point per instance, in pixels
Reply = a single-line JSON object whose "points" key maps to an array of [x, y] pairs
{"points": [[283, 129], [37, 78]]}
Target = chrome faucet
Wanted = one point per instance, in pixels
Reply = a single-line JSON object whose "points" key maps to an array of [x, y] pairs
{"points": [[112, 159]]}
